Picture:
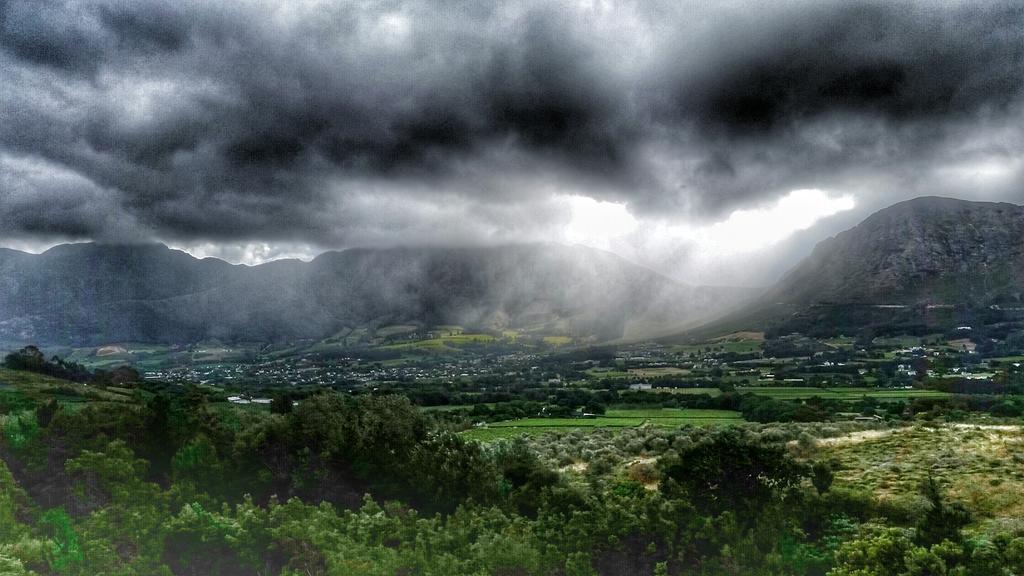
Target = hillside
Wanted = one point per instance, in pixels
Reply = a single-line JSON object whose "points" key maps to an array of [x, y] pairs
{"points": [[94, 294], [925, 264], [927, 250]]}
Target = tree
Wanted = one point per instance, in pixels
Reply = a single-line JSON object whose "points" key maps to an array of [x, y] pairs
{"points": [[31, 359], [821, 476], [281, 404], [524, 476], [28, 358], [445, 470], [942, 521], [881, 553], [732, 472], [158, 444], [46, 412], [123, 376], [65, 552]]}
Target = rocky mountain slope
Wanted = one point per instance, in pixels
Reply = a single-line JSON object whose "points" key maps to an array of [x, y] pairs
{"points": [[923, 265], [926, 250]]}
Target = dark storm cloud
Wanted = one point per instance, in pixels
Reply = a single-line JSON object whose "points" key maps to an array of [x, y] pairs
{"points": [[157, 28], [814, 94], [899, 61], [263, 120]]}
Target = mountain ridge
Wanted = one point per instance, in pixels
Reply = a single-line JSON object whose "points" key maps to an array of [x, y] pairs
{"points": [[93, 293], [893, 267], [928, 249]]}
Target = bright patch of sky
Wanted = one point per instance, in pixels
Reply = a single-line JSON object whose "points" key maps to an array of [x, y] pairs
{"points": [[758, 228], [596, 223], [611, 226], [248, 253]]}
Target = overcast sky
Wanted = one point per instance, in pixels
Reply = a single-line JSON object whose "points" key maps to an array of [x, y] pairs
{"points": [[713, 141]]}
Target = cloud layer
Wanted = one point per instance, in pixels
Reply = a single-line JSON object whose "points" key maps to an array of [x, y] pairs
{"points": [[336, 123]]}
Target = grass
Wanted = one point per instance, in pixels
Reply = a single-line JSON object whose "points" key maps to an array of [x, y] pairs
{"points": [[800, 393], [906, 340], [606, 373], [734, 346], [655, 372], [41, 387], [449, 343], [600, 422], [740, 336], [614, 418], [142, 356], [395, 330], [21, 379], [840, 342], [1006, 359], [673, 413], [214, 354], [492, 434], [980, 466], [448, 407]]}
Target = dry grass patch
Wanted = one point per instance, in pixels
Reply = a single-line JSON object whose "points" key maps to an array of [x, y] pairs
{"points": [[983, 467]]}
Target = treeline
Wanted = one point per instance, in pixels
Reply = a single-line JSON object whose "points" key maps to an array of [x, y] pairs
{"points": [[32, 359]]}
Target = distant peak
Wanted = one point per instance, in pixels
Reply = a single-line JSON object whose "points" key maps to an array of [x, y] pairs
{"points": [[113, 246], [943, 202]]}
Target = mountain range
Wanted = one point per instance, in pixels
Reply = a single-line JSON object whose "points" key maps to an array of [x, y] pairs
{"points": [[903, 265], [90, 294]]}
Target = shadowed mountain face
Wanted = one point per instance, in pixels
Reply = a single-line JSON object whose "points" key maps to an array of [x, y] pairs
{"points": [[92, 294], [923, 251]]}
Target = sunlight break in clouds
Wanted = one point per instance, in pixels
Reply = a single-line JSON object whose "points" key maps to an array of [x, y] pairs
{"points": [[248, 253], [757, 228], [596, 223], [611, 226]]}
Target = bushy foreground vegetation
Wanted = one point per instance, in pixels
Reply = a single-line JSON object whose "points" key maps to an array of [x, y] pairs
{"points": [[169, 482], [102, 472]]}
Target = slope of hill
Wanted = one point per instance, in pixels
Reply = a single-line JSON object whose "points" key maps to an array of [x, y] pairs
{"points": [[92, 294], [924, 264], [926, 250]]}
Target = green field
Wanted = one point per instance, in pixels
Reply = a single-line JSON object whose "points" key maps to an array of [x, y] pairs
{"points": [[734, 346], [606, 373], [154, 356], [395, 330], [449, 407], [736, 342], [613, 418], [840, 342], [801, 393], [444, 343], [656, 372], [1005, 360], [686, 415]]}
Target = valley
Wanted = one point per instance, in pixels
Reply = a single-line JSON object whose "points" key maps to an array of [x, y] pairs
{"points": [[383, 412]]}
